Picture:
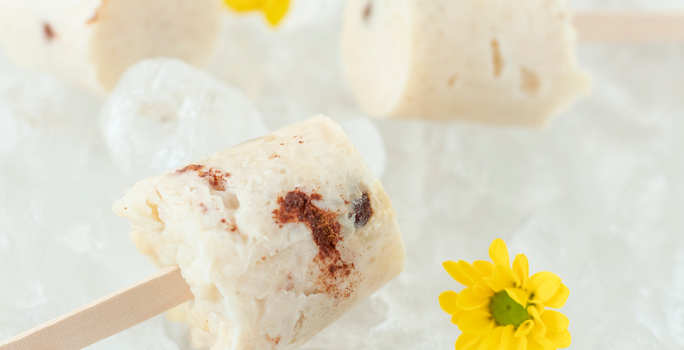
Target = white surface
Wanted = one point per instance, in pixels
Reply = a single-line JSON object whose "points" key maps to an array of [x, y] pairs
{"points": [[595, 198]]}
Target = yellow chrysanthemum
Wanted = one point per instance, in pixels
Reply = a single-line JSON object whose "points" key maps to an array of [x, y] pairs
{"points": [[273, 9], [503, 308]]}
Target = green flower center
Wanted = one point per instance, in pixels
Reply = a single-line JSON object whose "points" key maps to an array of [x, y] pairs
{"points": [[506, 311]]}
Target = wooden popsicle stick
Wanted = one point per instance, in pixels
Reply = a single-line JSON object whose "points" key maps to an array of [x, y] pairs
{"points": [[629, 26], [107, 316]]}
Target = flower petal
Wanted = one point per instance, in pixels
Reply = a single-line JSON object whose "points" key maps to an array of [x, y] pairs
{"points": [[534, 345], [492, 341], [468, 341], [554, 321], [483, 292], [559, 299], [455, 272], [510, 342], [498, 252], [539, 329], [476, 322], [275, 10], [547, 290], [244, 5], [555, 339], [524, 329], [502, 277], [494, 284], [522, 268], [522, 343], [484, 267], [468, 300], [546, 336], [518, 295], [537, 305], [471, 273], [447, 301], [538, 278], [560, 339], [457, 316]]}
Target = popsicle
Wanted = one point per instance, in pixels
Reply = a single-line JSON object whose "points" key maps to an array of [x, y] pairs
{"points": [[277, 237], [502, 61], [273, 239], [91, 42]]}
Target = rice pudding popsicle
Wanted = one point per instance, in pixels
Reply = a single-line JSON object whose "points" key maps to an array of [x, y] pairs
{"points": [[277, 237], [92, 42], [493, 61]]}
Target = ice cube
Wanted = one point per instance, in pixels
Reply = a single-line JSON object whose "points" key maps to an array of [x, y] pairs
{"points": [[164, 113]]}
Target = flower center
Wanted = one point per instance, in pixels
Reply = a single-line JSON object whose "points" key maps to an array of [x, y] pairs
{"points": [[506, 311]]}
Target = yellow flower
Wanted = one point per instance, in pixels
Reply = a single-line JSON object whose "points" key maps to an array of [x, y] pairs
{"points": [[273, 9], [502, 308]]}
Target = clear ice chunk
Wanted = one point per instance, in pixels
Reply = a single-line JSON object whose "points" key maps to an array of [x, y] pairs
{"points": [[164, 113]]}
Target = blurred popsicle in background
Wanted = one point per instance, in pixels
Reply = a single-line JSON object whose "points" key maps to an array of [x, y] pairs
{"points": [[509, 62], [91, 43], [629, 27], [505, 62]]}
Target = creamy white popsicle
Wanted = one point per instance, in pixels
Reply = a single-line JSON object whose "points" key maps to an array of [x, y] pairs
{"points": [[277, 237], [92, 42], [495, 61]]}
